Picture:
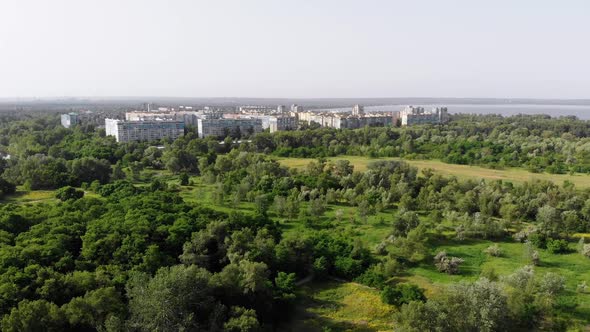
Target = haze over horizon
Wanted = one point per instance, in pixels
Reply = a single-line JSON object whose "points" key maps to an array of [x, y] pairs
{"points": [[295, 49]]}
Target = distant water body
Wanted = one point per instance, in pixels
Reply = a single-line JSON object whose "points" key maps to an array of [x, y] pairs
{"points": [[581, 111]]}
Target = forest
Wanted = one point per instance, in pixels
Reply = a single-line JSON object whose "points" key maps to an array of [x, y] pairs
{"points": [[196, 235]]}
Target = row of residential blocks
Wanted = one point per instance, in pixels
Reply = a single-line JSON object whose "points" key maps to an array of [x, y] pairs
{"points": [[153, 125]]}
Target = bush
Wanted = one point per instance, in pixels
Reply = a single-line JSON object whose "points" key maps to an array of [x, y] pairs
{"points": [[538, 240], [446, 263], [373, 277], [184, 179], [348, 268], [557, 246], [494, 250], [67, 193], [6, 187], [402, 294], [320, 268]]}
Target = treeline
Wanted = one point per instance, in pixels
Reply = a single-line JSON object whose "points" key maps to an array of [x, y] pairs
{"points": [[40, 146], [538, 143]]}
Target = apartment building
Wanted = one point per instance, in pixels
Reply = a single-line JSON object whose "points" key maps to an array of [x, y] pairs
{"points": [[134, 131], [228, 126], [412, 115]]}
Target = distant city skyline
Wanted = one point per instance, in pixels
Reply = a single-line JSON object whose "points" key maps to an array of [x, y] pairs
{"points": [[295, 49]]}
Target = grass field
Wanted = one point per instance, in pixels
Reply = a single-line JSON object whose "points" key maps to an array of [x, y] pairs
{"points": [[516, 175], [340, 307], [23, 196]]}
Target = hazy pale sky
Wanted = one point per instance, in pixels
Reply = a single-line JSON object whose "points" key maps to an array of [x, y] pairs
{"points": [[295, 48]]}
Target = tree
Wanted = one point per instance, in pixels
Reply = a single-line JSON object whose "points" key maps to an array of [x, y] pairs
{"points": [[404, 222], [280, 206], [343, 168], [118, 173], [261, 204], [241, 320], [480, 306], [32, 316], [90, 169], [176, 298], [94, 308], [549, 220], [285, 287]]}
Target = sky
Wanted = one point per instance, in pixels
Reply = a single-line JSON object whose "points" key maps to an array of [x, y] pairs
{"points": [[295, 48]]}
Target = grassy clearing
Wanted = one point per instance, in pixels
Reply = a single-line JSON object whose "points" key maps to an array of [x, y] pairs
{"points": [[516, 175], [340, 307], [572, 266], [23, 196]]}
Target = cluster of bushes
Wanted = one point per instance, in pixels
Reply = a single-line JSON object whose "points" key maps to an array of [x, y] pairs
{"points": [[521, 301]]}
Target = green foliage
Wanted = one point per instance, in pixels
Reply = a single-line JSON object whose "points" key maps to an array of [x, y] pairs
{"points": [[31, 316], [6, 188], [402, 294], [66, 264], [241, 320], [184, 179], [557, 246], [67, 193], [177, 298]]}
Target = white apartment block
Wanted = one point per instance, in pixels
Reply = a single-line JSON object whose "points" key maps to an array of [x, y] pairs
{"points": [[135, 131], [188, 117], [417, 115]]}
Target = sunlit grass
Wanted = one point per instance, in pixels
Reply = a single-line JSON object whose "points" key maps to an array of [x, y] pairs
{"points": [[341, 307]]}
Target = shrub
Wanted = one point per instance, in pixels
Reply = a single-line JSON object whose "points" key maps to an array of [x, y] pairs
{"points": [[6, 187], [552, 283], [184, 179], [494, 250], [68, 192], [372, 277], [320, 268], [535, 258], [582, 288], [489, 273], [348, 268], [446, 263], [538, 240], [557, 246], [402, 294]]}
